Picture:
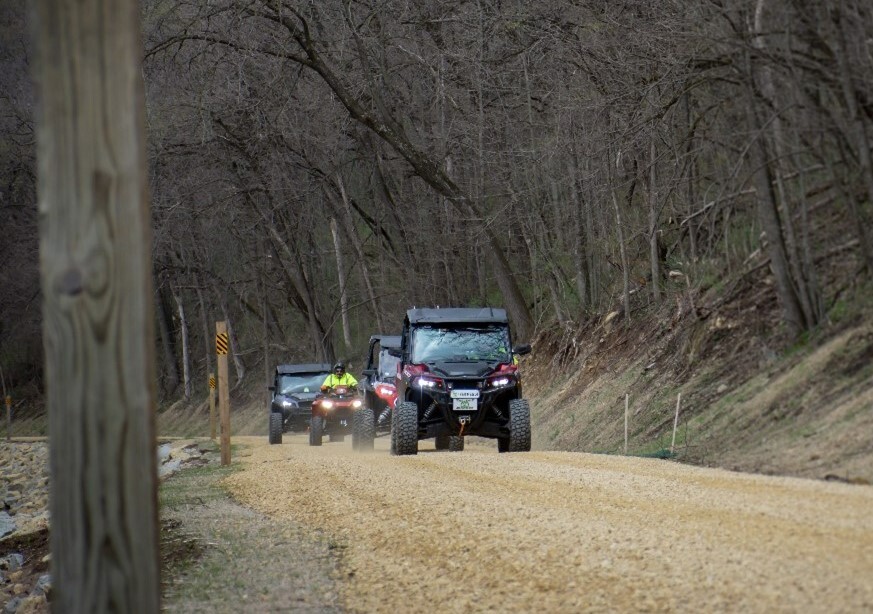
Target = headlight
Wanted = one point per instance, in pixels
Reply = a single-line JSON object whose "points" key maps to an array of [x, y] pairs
{"points": [[327, 404], [356, 403], [424, 382], [287, 403], [502, 381]]}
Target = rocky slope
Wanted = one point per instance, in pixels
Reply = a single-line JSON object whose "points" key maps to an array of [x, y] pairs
{"points": [[24, 580]]}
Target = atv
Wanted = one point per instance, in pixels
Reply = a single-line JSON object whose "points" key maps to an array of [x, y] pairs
{"points": [[379, 391], [458, 376], [294, 389], [332, 414]]}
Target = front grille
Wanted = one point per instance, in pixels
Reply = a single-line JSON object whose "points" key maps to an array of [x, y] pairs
{"points": [[465, 384]]}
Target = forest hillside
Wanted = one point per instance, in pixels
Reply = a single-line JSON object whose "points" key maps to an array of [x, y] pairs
{"points": [[666, 196]]}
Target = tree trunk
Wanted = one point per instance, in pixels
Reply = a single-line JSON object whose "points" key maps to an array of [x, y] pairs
{"points": [[582, 239], [341, 275], [799, 275], [208, 336], [768, 217], [623, 250], [359, 251], [186, 356], [238, 364], [856, 120], [861, 224], [98, 307], [654, 252], [268, 367], [168, 345], [317, 333], [768, 208]]}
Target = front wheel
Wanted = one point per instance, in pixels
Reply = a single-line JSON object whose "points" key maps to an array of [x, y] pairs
{"points": [[404, 429], [316, 430], [519, 428], [365, 429], [355, 417], [275, 428]]}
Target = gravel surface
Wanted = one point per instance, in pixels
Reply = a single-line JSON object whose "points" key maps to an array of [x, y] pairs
{"points": [[557, 531], [222, 557]]}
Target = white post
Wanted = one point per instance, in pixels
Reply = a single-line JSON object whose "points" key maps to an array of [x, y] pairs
{"points": [[675, 422], [626, 405]]}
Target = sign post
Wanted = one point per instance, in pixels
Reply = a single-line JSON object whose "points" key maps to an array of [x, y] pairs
{"points": [[8, 418], [212, 385], [221, 345]]}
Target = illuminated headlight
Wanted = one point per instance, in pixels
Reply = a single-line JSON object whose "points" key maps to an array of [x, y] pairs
{"points": [[287, 403], [503, 381], [327, 404], [424, 382], [356, 403]]}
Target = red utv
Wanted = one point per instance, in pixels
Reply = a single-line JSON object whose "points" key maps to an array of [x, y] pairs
{"points": [[332, 414], [379, 391]]}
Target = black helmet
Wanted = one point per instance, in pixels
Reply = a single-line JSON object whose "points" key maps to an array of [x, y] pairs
{"points": [[339, 367]]}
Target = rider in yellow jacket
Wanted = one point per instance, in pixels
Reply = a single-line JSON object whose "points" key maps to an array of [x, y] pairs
{"points": [[339, 377]]}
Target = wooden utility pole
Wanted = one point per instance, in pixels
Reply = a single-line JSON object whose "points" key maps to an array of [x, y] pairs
{"points": [[98, 312], [212, 385], [222, 343]]}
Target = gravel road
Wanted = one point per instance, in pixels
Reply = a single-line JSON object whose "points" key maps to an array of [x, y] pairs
{"points": [[567, 532]]}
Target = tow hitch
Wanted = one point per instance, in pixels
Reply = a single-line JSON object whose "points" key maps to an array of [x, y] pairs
{"points": [[464, 420]]}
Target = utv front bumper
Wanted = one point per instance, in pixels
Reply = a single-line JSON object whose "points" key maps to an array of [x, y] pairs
{"points": [[437, 414]]}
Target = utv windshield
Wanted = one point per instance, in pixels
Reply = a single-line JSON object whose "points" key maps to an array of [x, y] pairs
{"points": [[387, 365], [453, 344], [300, 382]]}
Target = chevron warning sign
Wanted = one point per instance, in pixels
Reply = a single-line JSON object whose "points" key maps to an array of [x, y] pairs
{"points": [[212, 383], [221, 344]]}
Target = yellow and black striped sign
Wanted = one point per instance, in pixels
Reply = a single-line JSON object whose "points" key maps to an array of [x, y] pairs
{"points": [[212, 383], [221, 344]]}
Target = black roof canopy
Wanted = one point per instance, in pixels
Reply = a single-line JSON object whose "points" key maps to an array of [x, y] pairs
{"points": [[457, 315], [313, 367]]}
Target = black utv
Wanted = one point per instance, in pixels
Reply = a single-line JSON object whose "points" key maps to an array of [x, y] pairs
{"points": [[379, 391], [458, 376], [294, 389]]}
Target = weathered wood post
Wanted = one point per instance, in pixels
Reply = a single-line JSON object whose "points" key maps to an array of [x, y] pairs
{"points": [[222, 343], [212, 385], [98, 313]]}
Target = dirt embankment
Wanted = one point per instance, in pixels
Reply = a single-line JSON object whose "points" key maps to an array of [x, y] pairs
{"points": [[554, 531], [750, 400]]}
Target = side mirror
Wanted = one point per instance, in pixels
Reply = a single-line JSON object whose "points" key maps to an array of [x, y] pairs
{"points": [[522, 349], [369, 372], [271, 388], [395, 352]]}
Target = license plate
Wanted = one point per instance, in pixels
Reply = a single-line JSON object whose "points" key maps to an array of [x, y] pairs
{"points": [[464, 404], [465, 394]]}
